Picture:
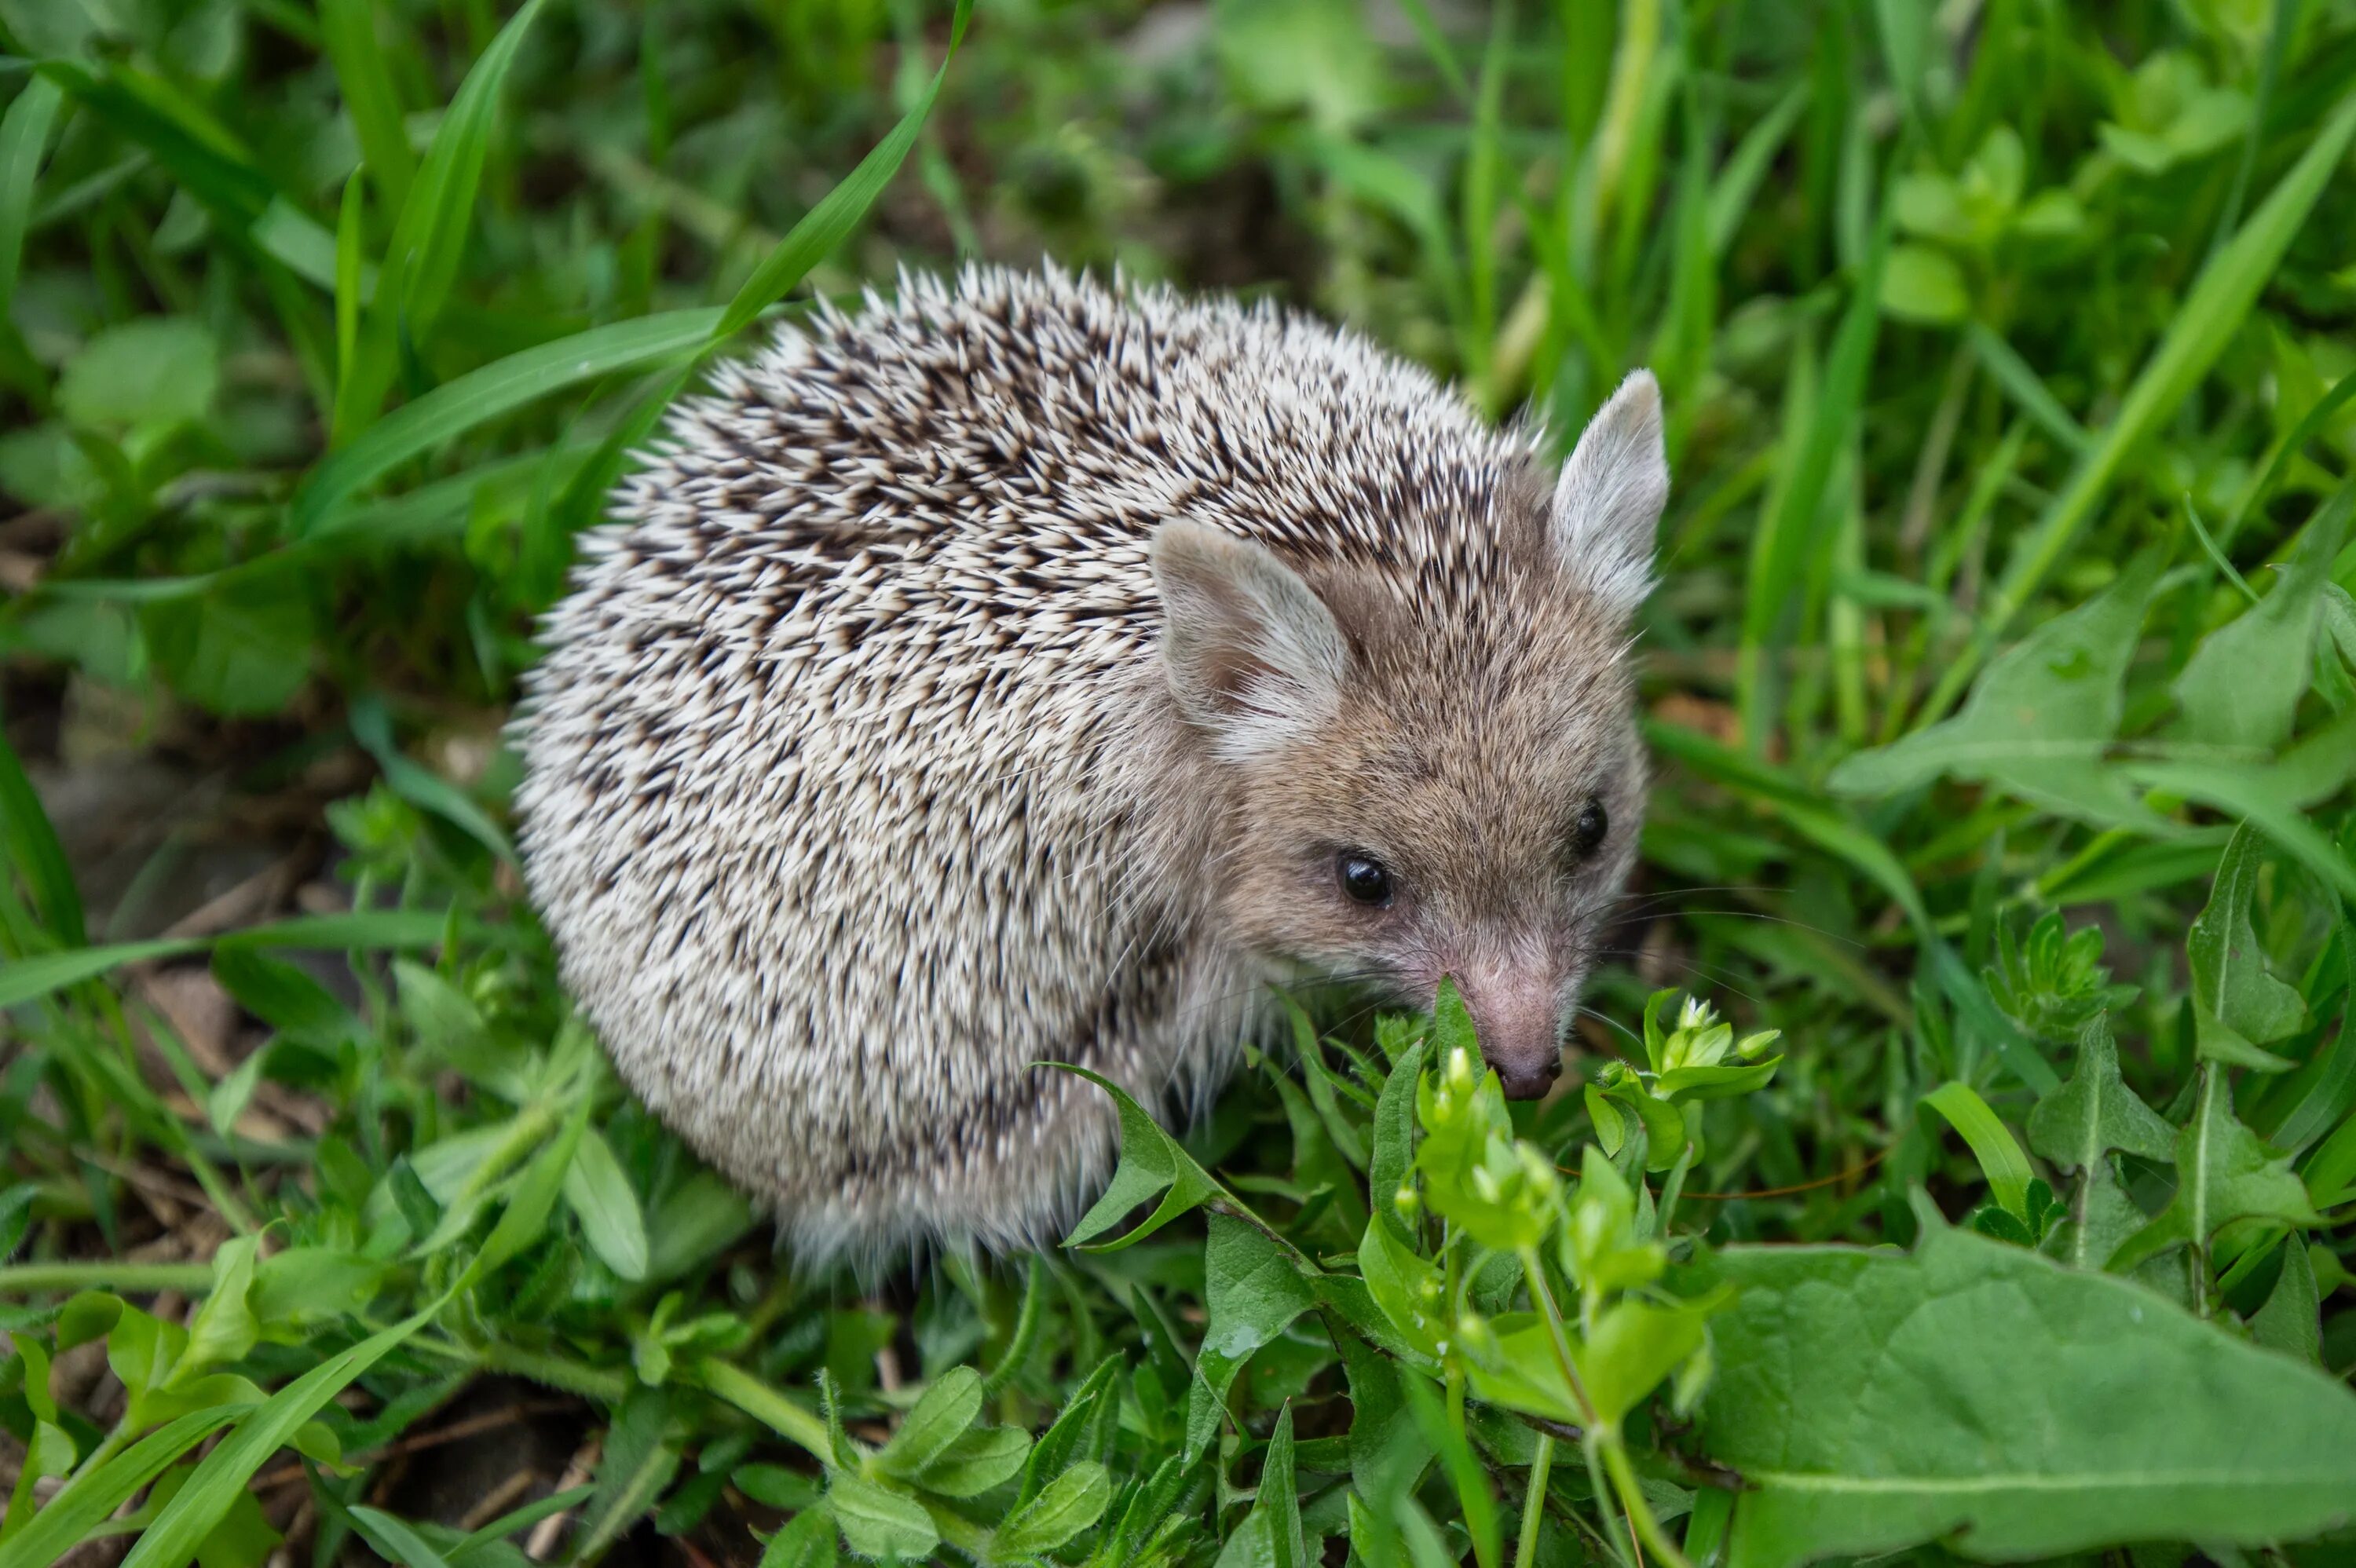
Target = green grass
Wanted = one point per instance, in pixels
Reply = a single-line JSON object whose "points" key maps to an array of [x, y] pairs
{"points": [[1999, 687]]}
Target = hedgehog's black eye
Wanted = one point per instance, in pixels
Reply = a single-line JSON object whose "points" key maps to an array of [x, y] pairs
{"points": [[1587, 833], [1364, 878]]}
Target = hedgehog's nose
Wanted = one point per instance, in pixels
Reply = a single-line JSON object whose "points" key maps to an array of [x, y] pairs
{"points": [[1520, 1028]]}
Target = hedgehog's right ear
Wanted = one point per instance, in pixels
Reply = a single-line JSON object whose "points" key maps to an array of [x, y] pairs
{"points": [[1609, 500], [1253, 656]]}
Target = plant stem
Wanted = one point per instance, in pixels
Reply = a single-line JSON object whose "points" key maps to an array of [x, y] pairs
{"points": [[1640, 1512], [1533, 1505], [766, 1405], [559, 1372], [26, 1279], [1534, 1269]]}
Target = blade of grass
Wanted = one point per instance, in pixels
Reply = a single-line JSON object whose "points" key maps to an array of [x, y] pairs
{"points": [[24, 135], [480, 396], [1738, 183], [92, 1495], [1780, 553], [823, 227], [431, 234], [2027, 389], [2211, 314], [348, 28], [32, 846], [1992, 1144], [28, 979]]}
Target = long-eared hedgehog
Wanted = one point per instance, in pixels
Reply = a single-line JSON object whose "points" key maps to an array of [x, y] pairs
{"points": [[1023, 670]]}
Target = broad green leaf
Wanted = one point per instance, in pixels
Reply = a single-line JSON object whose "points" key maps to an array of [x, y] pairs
{"points": [[397, 1539], [1636, 1345], [2096, 1112], [1069, 1504], [1254, 1292], [243, 648], [1405, 1287], [2101, 1216], [2232, 983], [2272, 795], [525, 1218], [2224, 1174], [1388, 1453], [223, 1329], [1924, 285], [1978, 1395], [1151, 1160], [2241, 687], [154, 375], [601, 1196], [938, 1420], [2038, 721], [878, 1523]]}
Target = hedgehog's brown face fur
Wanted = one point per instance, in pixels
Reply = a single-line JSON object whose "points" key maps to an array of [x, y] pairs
{"points": [[1411, 792]]}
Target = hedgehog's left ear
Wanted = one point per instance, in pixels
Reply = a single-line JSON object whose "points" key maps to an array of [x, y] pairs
{"points": [[1253, 656], [1609, 500]]}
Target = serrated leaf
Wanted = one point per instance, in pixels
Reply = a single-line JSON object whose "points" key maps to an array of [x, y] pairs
{"points": [[2039, 719], [2096, 1110], [1269, 1535], [1151, 1160], [2222, 1174], [1978, 1395], [2232, 982]]}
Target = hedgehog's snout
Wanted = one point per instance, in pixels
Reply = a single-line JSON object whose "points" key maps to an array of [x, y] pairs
{"points": [[1519, 1020]]}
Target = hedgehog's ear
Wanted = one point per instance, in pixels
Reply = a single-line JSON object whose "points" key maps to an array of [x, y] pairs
{"points": [[1253, 656], [1609, 500]]}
